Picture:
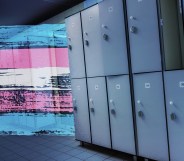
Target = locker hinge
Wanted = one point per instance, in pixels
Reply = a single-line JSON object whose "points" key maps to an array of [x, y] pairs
{"points": [[161, 22]]}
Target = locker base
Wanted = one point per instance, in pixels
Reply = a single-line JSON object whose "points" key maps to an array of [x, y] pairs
{"points": [[81, 143], [135, 158], [113, 152]]}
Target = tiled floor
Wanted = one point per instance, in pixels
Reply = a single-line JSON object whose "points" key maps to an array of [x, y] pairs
{"points": [[51, 148]]}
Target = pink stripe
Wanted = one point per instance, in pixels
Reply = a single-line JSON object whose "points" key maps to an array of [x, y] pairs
{"points": [[33, 100], [34, 58]]}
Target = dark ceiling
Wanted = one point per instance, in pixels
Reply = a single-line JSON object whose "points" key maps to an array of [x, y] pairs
{"points": [[30, 12]]}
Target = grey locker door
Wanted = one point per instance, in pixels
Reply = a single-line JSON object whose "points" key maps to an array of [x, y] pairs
{"points": [[92, 41], [100, 129], [150, 116], [144, 35], [75, 46], [114, 46], [174, 90], [121, 118], [81, 112]]}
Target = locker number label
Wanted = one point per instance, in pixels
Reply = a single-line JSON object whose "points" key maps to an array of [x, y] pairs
{"points": [[73, 25], [96, 87], [78, 88], [118, 86], [181, 84], [147, 85]]}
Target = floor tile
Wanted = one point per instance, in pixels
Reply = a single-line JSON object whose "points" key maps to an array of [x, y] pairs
{"points": [[74, 152], [95, 158], [48, 148], [73, 159], [84, 155]]}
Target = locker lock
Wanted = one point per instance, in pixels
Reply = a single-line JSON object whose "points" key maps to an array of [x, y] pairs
{"points": [[86, 42], [91, 105], [133, 29], [92, 109], [140, 114], [113, 111], [75, 108], [105, 37], [70, 47], [173, 116], [74, 104]]}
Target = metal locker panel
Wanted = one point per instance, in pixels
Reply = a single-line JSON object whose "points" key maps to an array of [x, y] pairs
{"points": [[75, 46], [144, 35], [121, 118], [150, 116], [92, 41], [81, 112], [99, 115], [174, 90], [113, 37]]}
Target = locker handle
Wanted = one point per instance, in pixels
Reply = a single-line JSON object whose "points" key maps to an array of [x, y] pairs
{"points": [[171, 103], [140, 114], [105, 37], [86, 42], [70, 47], [133, 29], [139, 102], [173, 116], [132, 18]]}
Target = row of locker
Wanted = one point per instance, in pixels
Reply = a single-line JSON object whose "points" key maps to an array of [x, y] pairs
{"points": [[99, 37], [104, 116]]}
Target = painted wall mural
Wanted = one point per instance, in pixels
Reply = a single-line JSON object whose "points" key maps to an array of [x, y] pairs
{"points": [[35, 88]]}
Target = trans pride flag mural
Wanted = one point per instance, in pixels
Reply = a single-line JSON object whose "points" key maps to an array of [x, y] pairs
{"points": [[35, 88]]}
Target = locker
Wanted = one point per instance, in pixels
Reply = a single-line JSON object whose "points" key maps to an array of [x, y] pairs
{"points": [[144, 35], [105, 39], [81, 112], [114, 48], [99, 115], [174, 90], [75, 47], [150, 116], [121, 118], [172, 29]]}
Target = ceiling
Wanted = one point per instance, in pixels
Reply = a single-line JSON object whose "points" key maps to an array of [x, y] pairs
{"points": [[31, 12]]}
